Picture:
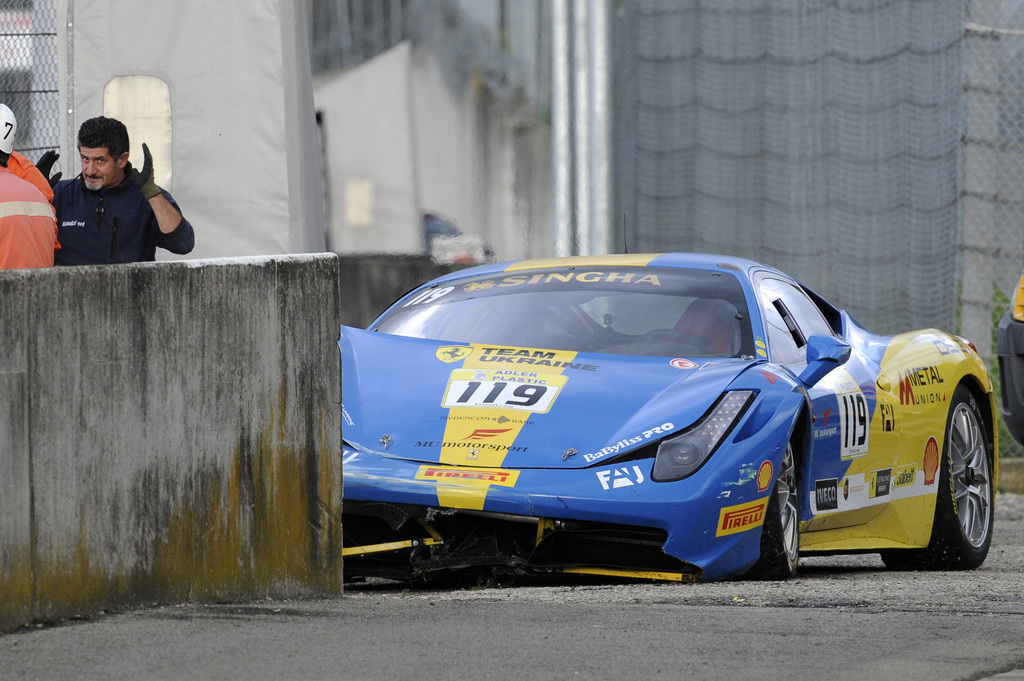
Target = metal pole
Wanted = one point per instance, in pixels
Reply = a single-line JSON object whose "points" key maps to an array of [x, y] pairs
{"points": [[561, 128], [582, 119], [600, 229]]}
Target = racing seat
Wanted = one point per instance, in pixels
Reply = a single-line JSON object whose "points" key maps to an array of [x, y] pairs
{"points": [[712, 326]]}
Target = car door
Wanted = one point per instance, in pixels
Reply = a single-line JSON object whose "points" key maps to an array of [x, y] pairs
{"points": [[842, 472]]}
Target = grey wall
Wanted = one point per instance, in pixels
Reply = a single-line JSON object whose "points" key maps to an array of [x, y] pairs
{"points": [[370, 283], [168, 431]]}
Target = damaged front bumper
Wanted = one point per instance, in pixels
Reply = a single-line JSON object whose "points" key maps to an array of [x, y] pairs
{"points": [[418, 542]]}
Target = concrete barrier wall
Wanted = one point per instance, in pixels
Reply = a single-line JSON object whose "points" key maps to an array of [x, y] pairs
{"points": [[168, 431], [371, 282]]}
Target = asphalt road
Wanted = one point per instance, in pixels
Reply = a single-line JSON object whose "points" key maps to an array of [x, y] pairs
{"points": [[840, 618]]}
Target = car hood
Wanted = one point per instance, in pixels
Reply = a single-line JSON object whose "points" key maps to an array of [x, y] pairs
{"points": [[487, 405]]}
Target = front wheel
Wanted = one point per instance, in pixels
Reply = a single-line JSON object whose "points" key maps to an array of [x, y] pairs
{"points": [[780, 535], [962, 529]]}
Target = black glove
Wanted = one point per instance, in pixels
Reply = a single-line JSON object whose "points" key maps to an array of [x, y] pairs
{"points": [[45, 165], [144, 180]]}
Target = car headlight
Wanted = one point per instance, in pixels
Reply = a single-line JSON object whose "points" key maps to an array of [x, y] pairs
{"points": [[683, 454]]}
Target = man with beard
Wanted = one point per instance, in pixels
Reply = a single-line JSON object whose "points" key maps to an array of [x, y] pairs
{"points": [[113, 212]]}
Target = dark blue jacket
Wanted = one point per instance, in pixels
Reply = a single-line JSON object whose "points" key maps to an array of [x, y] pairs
{"points": [[112, 225]]}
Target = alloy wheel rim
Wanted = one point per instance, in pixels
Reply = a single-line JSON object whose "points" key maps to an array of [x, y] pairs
{"points": [[785, 490], [969, 467]]}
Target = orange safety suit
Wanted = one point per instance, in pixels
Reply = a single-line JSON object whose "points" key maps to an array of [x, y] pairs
{"points": [[28, 228], [26, 170]]}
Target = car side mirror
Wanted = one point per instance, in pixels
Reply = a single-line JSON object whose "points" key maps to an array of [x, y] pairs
{"points": [[824, 353]]}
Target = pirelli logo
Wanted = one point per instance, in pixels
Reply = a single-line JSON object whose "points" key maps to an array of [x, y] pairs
{"points": [[740, 518], [460, 475]]}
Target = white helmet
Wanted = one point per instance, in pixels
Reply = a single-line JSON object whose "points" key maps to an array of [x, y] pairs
{"points": [[8, 129]]}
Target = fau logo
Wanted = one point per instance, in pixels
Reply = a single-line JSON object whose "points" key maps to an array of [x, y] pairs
{"points": [[614, 478]]}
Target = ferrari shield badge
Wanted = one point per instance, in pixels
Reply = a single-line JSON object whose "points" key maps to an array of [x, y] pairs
{"points": [[453, 353]]}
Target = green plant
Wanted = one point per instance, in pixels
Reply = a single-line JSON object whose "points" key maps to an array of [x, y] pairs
{"points": [[1008, 447]]}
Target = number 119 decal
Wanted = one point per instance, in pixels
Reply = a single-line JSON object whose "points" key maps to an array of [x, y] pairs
{"points": [[472, 388], [853, 424]]}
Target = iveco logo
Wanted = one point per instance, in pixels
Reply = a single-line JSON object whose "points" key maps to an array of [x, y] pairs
{"points": [[826, 494]]}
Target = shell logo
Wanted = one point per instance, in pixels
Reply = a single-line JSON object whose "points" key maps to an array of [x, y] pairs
{"points": [[764, 476], [931, 460]]}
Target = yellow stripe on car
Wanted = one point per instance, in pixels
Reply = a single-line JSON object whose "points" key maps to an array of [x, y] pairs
{"points": [[479, 436], [632, 260]]}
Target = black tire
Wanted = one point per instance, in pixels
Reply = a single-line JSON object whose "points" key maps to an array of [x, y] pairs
{"points": [[780, 535], [962, 529]]}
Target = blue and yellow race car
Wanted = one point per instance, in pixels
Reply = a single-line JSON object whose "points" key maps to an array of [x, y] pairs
{"points": [[669, 417]]}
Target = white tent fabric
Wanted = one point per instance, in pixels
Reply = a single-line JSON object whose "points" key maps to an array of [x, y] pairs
{"points": [[244, 147], [370, 150], [405, 135]]}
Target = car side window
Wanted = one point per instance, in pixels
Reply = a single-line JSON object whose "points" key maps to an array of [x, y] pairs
{"points": [[790, 318]]}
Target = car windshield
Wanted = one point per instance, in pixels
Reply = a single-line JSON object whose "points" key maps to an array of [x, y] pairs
{"points": [[654, 312]]}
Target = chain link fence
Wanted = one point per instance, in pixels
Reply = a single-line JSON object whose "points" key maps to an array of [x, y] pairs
{"points": [[993, 203], [818, 137], [29, 75]]}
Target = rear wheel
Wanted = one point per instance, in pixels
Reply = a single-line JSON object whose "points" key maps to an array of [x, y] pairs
{"points": [[962, 530], [780, 535]]}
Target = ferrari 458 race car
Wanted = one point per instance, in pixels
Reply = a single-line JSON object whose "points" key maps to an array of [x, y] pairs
{"points": [[670, 417]]}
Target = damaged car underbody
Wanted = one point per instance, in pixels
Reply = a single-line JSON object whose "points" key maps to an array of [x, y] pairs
{"points": [[414, 543]]}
